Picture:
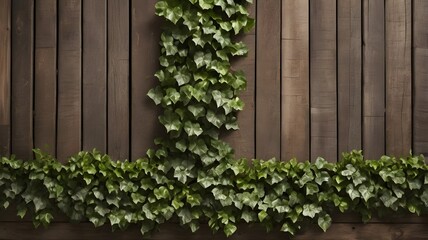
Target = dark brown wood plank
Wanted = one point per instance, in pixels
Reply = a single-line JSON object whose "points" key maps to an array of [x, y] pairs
{"points": [[45, 76], [5, 45], [374, 79], [146, 30], [323, 79], [69, 78], [268, 79], [398, 77], [22, 78], [420, 70], [243, 140], [65, 231], [295, 133], [118, 79], [94, 128], [349, 80]]}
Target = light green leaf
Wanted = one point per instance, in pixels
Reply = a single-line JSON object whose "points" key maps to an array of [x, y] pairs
{"points": [[324, 221]]}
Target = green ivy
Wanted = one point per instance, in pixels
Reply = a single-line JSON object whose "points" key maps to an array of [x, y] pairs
{"points": [[192, 176], [150, 192]]}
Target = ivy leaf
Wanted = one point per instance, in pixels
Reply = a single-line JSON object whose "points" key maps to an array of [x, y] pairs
{"points": [[171, 121], [288, 228], [146, 227], [324, 221], [185, 215], [352, 192], [219, 98], [424, 197], [216, 119], [190, 19], [201, 59], [221, 38], [172, 95], [197, 110], [387, 198], [220, 3], [206, 4], [309, 210], [311, 189], [236, 104], [229, 229], [192, 129], [198, 147], [262, 215], [414, 183], [182, 76], [366, 192], [248, 216]]}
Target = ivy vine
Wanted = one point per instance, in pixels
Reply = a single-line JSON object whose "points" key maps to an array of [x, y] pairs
{"points": [[192, 176]]}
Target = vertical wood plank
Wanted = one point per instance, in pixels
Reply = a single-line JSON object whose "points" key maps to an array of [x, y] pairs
{"points": [[5, 45], [374, 79], [398, 77], [94, 128], [69, 79], [145, 54], [268, 85], [323, 79], [118, 79], [45, 76], [22, 78], [242, 140], [349, 76], [295, 134], [420, 61]]}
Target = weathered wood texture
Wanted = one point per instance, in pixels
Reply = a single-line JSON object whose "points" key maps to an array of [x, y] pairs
{"points": [[94, 79], [22, 78], [420, 71], [144, 64], [323, 87], [69, 78], [295, 132], [317, 86], [243, 140], [324, 77], [5, 49], [349, 34], [45, 80], [118, 79], [374, 79], [348, 231], [398, 20], [268, 79]]}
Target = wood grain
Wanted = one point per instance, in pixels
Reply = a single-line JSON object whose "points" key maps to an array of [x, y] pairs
{"points": [[374, 79], [118, 79], [83, 231], [420, 70], [94, 125], [146, 31], [5, 48], [22, 78], [69, 79], [323, 79], [243, 140], [349, 78], [398, 22], [295, 133], [45, 77], [268, 79]]}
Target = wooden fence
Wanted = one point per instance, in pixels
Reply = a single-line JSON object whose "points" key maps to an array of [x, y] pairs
{"points": [[324, 76]]}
